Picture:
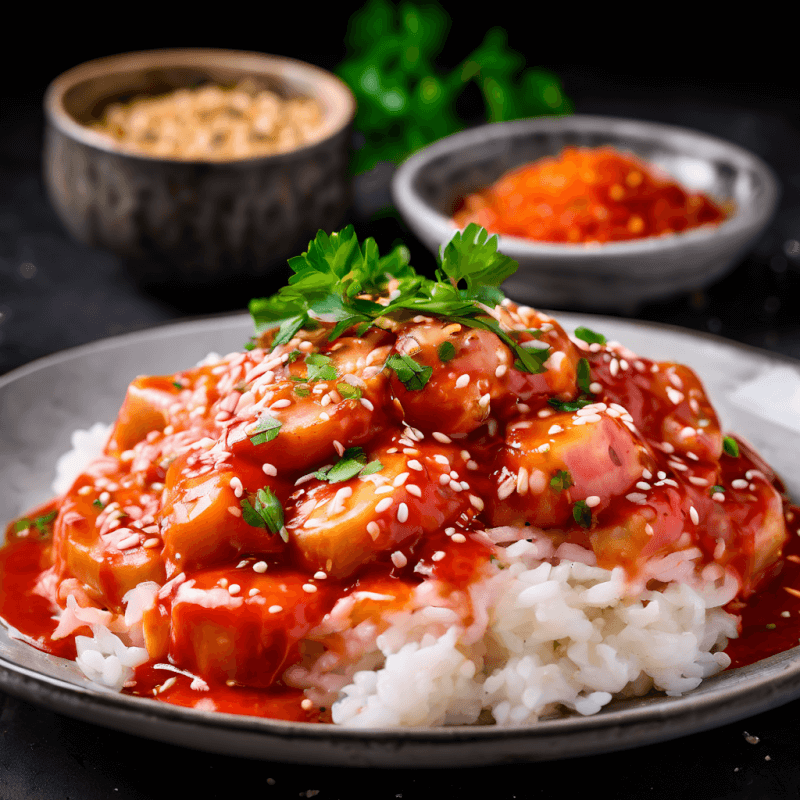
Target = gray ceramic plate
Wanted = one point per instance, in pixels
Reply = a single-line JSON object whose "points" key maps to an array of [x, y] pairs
{"points": [[757, 395]]}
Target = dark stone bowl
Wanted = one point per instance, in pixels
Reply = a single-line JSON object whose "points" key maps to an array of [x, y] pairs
{"points": [[194, 222]]}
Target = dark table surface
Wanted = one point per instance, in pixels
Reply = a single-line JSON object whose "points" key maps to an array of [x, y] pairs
{"points": [[56, 293]]}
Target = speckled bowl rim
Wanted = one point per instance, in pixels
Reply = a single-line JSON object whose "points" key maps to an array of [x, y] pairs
{"points": [[748, 218], [58, 116], [722, 699]]}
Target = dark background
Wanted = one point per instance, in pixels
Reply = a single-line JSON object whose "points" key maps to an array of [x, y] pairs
{"points": [[55, 293]]}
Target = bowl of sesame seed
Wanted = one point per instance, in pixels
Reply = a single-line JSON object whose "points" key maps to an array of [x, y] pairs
{"points": [[589, 270], [198, 165]]}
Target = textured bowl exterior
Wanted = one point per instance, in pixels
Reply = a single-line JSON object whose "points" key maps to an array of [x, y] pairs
{"points": [[614, 276], [193, 221]]}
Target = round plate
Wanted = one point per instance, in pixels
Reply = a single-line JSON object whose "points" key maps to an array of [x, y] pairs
{"points": [[756, 394]]}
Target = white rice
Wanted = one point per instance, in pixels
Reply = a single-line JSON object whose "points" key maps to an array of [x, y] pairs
{"points": [[544, 631]]}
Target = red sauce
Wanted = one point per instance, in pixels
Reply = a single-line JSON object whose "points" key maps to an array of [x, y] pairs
{"points": [[587, 195], [177, 502]]}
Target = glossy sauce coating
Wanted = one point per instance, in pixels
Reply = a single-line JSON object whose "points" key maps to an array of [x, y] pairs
{"points": [[604, 449]]}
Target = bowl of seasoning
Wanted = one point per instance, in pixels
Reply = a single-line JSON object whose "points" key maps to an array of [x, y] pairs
{"points": [[198, 165], [601, 213]]}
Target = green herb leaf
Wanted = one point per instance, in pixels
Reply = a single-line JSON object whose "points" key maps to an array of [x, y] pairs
{"points": [[348, 391], [352, 463], [446, 351], [569, 405], [471, 255], [266, 429], [264, 511], [98, 503], [250, 344], [411, 374], [294, 355], [22, 524], [589, 336], [44, 521], [731, 446], [584, 378], [302, 391], [715, 489], [561, 480], [177, 385], [320, 368], [582, 514]]}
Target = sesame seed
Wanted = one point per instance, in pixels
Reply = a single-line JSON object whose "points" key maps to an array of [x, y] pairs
{"points": [[260, 566], [476, 502], [500, 371], [383, 505], [592, 501], [306, 705], [269, 469], [402, 513], [522, 481], [285, 403], [636, 497], [455, 486], [398, 559], [718, 496], [643, 485], [366, 403], [698, 481], [84, 490], [384, 489], [154, 542], [438, 555], [695, 517], [326, 401], [414, 489], [648, 529], [441, 437], [459, 538], [485, 400], [253, 592], [411, 451], [373, 530], [554, 429], [646, 474], [739, 484], [275, 609], [674, 395], [687, 433], [595, 387], [236, 485], [449, 531], [339, 447], [415, 465], [325, 416], [667, 447], [444, 479], [309, 587], [234, 588], [463, 380], [614, 367]]}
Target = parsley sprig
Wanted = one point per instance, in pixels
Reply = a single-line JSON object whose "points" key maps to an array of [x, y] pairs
{"points": [[353, 462], [264, 510], [342, 278]]}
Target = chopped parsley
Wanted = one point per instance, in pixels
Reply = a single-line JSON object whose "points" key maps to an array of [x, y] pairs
{"points": [[352, 463], [42, 523], [582, 514], [339, 276], [589, 336], [584, 376], [302, 391], [264, 511], [731, 446], [561, 480], [411, 374], [446, 351], [320, 368], [177, 385], [293, 356], [571, 405], [266, 429], [348, 391], [715, 489], [98, 503]]}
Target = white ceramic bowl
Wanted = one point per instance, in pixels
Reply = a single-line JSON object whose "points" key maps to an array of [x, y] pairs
{"points": [[617, 276]]}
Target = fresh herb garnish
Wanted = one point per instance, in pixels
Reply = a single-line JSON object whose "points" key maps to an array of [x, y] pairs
{"points": [[293, 356], [98, 503], [411, 374], [584, 378], [42, 523], [266, 429], [348, 391], [302, 391], [589, 336], [582, 514], [250, 344], [264, 511], [731, 446], [339, 277], [353, 462], [320, 368], [177, 385], [446, 351], [570, 405], [561, 480], [715, 489], [22, 524]]}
